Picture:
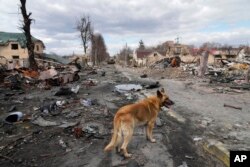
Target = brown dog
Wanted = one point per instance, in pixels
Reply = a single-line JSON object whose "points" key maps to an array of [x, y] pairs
{"points": [[129, 116]]}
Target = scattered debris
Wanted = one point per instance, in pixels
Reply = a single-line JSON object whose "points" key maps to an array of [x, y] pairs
{"points": [[166, 62], [65, 91], [197, 138], [13, 82], [14, 117], [68, 124], [130, 96], [90, 83], [52, 108], [93, 129], [103, 73], [78, 132], [75, 89], [189, 157], [184, 164], [62, 143], [86, 103], [153, 85], [42, 122], [48, 74], [92, 72], [144, 76], [73, 114], [241, 87]]}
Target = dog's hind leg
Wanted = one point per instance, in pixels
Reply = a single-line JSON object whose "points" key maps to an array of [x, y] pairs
{"points": [[127, 130], [119, 141]]}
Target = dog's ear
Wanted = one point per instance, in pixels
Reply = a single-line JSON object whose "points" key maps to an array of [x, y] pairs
{"points": [[162, 90], [159, 94]]}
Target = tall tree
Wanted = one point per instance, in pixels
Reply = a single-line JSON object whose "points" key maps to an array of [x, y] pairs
{"points": [[83, 25], [26, 28], [141, 45], [98, 50]]}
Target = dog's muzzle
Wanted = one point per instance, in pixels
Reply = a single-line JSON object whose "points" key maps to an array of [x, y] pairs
{"points": [[168, 103]]}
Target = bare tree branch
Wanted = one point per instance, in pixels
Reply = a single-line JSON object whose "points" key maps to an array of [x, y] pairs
{"points": [[83, 25]]}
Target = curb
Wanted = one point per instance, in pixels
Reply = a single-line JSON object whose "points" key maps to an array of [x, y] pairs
{"points": [[217, 149]]}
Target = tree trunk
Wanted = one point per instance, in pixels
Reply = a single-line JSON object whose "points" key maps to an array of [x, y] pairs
{"points": [[96, 61], [203, 63], [26, 28], [84, 42]]}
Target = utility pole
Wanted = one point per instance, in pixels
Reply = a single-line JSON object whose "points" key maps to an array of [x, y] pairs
{"points": [[177, 39], [126, 63]]}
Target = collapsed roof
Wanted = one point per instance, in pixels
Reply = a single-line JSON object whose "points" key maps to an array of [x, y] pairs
{"points": [[6, 37]]}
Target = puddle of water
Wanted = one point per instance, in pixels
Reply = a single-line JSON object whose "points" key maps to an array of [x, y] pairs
{"points": [[127, 87]]}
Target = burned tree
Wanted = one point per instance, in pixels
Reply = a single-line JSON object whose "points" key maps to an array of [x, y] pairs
{"points": [[98, 50], [86, 31], [26, 28]]}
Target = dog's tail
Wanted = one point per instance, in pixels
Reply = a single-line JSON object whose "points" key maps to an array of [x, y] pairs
{"points": [[117, 131]]}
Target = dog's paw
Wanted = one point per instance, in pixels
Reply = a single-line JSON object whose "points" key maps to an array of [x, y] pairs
{"points": [[153, 140], [128, 155], [118, 149]]}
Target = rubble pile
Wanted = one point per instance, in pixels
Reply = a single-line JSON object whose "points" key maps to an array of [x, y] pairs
{"points": [[66, 118], [166, 62], [233, 73], [23, 77]]}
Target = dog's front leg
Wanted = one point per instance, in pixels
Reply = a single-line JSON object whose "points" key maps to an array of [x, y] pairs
{"points": [[150, 127]]}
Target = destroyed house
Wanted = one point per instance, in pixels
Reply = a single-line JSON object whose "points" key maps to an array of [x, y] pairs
{"points": [[216, 55], [172, 48], [140, 56], [154, 57], [13, 48]]}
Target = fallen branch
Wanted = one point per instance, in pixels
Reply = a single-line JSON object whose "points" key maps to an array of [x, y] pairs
{"points": [[227, 105], [15, 142], [243, 87], [53, 154]]}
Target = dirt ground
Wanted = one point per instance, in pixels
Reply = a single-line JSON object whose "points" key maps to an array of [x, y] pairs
{"points": [[28, 144]]}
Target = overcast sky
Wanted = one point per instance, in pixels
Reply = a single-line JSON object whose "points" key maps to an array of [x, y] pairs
{"points": [[128, 21]]}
